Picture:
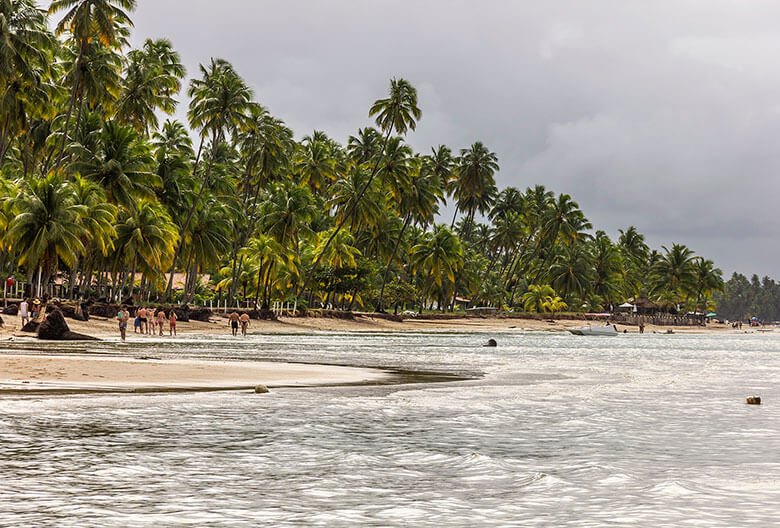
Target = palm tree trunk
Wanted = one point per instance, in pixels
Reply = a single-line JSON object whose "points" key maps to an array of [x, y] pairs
{"points": [[192, 210], [380, 303], [452, 224]]}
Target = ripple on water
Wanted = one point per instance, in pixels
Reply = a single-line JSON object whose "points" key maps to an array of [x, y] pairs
{"points": [[560, 431]]}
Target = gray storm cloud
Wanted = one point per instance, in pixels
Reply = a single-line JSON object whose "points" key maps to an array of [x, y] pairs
{"points": [[663, 115]]}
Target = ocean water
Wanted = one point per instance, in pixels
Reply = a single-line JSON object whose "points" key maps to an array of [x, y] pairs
{"points": [[544, 430]]}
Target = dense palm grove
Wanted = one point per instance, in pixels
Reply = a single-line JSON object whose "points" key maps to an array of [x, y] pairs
{"points": [[743, 298], [102, 193]]}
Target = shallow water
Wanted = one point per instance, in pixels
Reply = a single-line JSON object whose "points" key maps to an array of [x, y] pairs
{"points": [[551, 430]]}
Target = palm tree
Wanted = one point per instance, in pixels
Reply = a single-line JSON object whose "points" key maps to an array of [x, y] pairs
{"points": [[152, 80], [25, 45], [48, 227], [473, 184], [418, 204], [98, 221], [673, 274], [437, 259], [90, 23], [538, 298], [120, 162], [146, 238], [263, 254], [572, 272], [396, 113], [706, 280], [219, 105]]}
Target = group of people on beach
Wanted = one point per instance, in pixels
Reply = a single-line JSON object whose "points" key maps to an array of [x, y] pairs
{"points": [[29, 310], [146, 321], [236, 320]]}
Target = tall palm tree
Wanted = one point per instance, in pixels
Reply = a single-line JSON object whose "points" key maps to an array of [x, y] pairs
{"points": [[219, 106], [398, 112], [152, 80], [473, 184], [48, 228], [25, 53], [418, 204], [90, 22]]}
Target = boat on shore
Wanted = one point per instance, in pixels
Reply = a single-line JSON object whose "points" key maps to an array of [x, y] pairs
{"points": [[589, 330]]}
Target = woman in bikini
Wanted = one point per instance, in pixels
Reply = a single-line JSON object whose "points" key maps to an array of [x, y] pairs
{"points": [[172, 323]]}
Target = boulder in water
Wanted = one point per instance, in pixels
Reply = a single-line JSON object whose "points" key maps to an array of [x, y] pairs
{"points": [[753, 400], [491, 343], [261, 389], [55, 328]]}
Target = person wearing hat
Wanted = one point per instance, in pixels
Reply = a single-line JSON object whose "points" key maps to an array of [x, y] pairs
{"points": [[35, 309]]}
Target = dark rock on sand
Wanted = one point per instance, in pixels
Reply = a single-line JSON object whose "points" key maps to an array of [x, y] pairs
{"points": [[11, 309], [31, 327], [55, 328]]}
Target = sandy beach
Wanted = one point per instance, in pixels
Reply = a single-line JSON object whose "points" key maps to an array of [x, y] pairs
{"points": [[85, 373]]}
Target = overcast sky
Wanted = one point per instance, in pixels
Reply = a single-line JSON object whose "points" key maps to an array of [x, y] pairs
{"points": [[660, 114]]}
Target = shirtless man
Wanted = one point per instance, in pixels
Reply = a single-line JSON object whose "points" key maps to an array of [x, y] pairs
{"points": [[142, 319], [123, 317], [233, 318], [244, 319], [161, 320]]}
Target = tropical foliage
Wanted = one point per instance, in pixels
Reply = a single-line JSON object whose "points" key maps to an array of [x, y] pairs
{"points": [[102, 193]]}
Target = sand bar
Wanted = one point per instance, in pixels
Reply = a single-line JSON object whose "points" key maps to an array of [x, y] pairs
{"points": [[28, 373]]}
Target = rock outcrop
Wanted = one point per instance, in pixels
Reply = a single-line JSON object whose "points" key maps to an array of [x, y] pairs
{"points": [[55, 328]]}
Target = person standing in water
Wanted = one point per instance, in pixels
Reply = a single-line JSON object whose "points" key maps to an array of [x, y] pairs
{"points": [[244, 319], [172, 322], [123, 317], [152, 321], [233, 318]]}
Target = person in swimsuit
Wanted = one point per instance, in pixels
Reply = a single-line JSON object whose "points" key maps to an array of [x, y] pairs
{"points": [[142, 315], [244, 319], [152, 321], [123, 317], [172, 323], [161, 320], [233, 318]]}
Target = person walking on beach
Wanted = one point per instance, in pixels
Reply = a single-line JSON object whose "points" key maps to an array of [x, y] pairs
{"points": [[137, 321], [244, 319], [233, 318], [142, 317], [24, 312], [161, 320], [172, 323], [123, 317], [152, 321]]}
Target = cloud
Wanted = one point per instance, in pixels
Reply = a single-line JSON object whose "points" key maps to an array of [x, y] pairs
{"points": [[664, 115]]}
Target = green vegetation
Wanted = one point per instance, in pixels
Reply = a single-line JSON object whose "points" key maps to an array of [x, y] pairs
{"points": [[97, 190]]}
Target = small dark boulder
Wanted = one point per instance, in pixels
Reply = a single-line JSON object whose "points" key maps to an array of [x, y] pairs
{"points": [[491, 343], [753, 400], [31, 327], [55, 328], [200, 314], [11, 309]]}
